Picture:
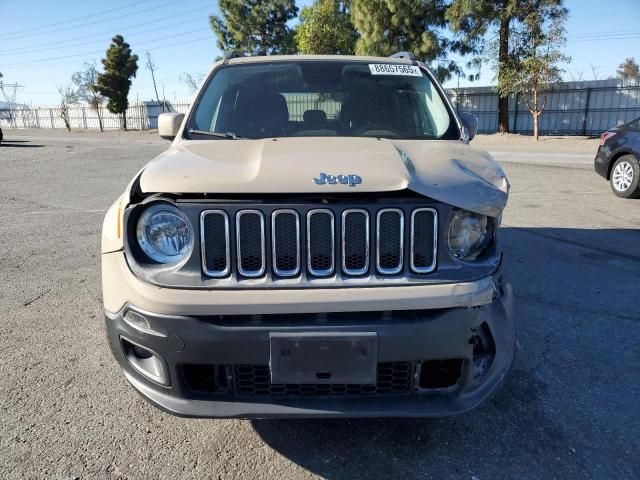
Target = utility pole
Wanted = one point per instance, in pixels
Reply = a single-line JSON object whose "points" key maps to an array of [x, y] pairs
{"points": [[9, 92], [152, 67]]}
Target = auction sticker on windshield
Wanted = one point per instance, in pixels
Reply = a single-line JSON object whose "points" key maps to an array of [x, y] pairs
{"points": [[390, 69]]}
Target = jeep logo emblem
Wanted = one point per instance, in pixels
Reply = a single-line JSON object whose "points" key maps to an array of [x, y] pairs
{"points": [[351, 180]]}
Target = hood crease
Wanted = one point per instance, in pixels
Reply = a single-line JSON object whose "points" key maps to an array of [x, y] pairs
{"points": [[447, 171]]}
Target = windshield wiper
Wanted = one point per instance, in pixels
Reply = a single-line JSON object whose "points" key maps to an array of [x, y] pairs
{"points": [[227, 136]]}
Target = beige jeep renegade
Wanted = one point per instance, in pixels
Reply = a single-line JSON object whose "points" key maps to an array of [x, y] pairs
{"points": [[318, 240]]}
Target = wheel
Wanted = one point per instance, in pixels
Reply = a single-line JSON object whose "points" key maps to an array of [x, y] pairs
{"points": [[625, 177]]}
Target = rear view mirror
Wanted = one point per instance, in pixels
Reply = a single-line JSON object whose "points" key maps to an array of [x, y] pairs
{"points": [[169, 124], [470, 122]]}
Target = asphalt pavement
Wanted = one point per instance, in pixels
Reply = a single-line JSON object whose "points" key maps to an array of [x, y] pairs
{"points": [[568, 410]]}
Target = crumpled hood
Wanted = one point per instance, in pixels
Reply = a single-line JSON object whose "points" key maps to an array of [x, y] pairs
{"points": [[447, 171]]}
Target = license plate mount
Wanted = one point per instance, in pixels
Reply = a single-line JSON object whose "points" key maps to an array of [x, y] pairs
{"points": [[324, 358]]}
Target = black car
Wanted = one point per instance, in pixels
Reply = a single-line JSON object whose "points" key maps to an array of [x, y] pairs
{"points": [[618, 159]]}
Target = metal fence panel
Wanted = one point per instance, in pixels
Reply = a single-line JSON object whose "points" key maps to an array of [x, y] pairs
{"points": [[140, 116], [574, 108]]}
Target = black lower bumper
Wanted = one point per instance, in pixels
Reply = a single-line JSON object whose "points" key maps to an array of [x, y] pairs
{"points": [[601, 163], [413, 339]]}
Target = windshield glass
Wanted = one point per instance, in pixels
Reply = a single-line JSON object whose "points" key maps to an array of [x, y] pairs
{"points": [[321, 98]]}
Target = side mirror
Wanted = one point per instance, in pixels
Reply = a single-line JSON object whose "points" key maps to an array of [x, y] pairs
{"points": [[169, 124], [470, 123]]}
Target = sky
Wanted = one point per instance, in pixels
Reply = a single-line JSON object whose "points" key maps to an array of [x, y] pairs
{"points": [[43, 44]]}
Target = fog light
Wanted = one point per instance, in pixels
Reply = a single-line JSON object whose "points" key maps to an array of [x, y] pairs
{"points": [[146, 362], [484, 351], [141, 353]]}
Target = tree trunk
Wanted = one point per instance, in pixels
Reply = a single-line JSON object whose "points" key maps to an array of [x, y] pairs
{"points": [[536, 113], [124, 120], [64, 113], [503, 57], [97, 105]]}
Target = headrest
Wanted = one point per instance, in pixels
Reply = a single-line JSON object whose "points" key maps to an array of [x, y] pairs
{"points": [[315, 119]]}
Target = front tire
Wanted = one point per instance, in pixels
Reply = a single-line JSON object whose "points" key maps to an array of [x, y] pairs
{"points": [[625, 177]]}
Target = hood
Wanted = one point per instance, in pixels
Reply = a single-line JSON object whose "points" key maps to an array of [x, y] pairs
{"points": [[447, 171]]}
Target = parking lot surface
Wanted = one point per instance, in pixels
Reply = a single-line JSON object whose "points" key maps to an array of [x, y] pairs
{"points": [[568, 410]]}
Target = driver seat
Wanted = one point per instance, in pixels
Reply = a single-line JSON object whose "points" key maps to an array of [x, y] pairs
{"points": [[363, 108]]}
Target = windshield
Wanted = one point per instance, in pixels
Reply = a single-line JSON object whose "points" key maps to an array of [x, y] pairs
{"points": [[321, 98]]}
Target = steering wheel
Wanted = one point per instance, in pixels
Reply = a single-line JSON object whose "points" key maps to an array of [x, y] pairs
{"points": [[374, 130]]}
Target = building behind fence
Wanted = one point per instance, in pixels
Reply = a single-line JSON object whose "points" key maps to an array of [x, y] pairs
{"points": [[574, 108]]}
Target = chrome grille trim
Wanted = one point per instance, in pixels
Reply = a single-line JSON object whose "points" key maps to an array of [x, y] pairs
{"points": [[203, 248], [277, 271], [328, 271], [398, 269], [365, 268], [431, 267], [387, 248], [241, 270]]}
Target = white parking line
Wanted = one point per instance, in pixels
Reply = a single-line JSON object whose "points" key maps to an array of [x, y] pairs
{"points": [[63, 212], [556, 193]]}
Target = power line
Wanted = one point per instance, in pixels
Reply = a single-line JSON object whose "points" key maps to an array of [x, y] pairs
{"points": [[160, 47], [589, 34], [17, 64], [603, 39], [119, 17], [163, 27], [603, 35], [74, 19]]}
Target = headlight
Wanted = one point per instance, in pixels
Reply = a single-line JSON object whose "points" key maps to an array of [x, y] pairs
{"points": [[468, 234], [165, 234]]}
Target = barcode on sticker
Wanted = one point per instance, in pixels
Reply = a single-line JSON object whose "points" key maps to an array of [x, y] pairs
{"points": [[394, 69]]}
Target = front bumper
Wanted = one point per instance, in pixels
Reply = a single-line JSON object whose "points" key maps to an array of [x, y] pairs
{"points": [[415, 337]]}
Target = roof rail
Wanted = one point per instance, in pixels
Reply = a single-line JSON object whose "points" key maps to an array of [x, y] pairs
{"points": [[232, 54], [407, 55]]}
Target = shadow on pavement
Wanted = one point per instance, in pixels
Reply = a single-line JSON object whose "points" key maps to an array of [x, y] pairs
{"points": [[543, 423], [19, 144]]}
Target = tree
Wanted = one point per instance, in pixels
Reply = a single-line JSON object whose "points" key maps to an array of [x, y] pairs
{"points": [[534, 61], [68, 97], [629, 70], [86, 83], [390, 26], [119, 67], [192, 81], [472, 20], [257, 27], [151, 66], [326, 29]]}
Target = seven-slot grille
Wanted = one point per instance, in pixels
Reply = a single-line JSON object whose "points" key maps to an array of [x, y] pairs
{"points": [[319, 242]]}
